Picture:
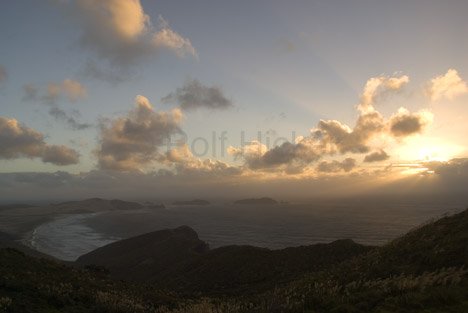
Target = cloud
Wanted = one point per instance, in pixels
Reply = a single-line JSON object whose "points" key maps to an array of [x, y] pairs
{"points": [[59, 155], [30, 92], [120, 31], [19, 141], [376, 156], [332, 137], [377, 87], [3, 74], [71, 121], [452, 168], [404, 123], [334, 166], [251, 153], [168, 39], [335, 136], [184, 163], [132, 142], [257, 156], [194, 95], [447, 86], [71, 89], [288, 152]]}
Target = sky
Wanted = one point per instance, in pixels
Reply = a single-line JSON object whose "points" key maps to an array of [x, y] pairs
{"points": [[155, 99]]}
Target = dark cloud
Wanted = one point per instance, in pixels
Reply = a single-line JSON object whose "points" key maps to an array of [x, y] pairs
{"points": [[289, 152], [405, 124], [71, 121], [291, 155], [453, 168], [376, 156], [194, 95], [131, 142], [17, 141], [334, 166]]}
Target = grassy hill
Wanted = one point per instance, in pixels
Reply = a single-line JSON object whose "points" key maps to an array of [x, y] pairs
{"points": [[423, 271], [179, 260], [148, 257]]}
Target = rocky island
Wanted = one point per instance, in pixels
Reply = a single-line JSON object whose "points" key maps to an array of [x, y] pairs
{"points": [[263, 200]]}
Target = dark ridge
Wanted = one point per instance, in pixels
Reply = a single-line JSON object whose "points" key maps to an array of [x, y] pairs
{"points": [[192, 202], [149, 256], [178, 260], [15, 206], [98, 204]]}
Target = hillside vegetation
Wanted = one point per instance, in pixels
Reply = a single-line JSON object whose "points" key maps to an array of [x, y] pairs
{"points": [[423, 271]]}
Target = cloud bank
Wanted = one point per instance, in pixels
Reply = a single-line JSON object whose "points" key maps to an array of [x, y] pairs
{"points": [[442, 180]]}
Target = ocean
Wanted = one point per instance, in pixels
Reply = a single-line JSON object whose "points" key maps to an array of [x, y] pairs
{"points": [[271, 226]]}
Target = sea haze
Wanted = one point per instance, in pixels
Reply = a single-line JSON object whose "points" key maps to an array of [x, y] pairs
{"points": [[271, 226]]}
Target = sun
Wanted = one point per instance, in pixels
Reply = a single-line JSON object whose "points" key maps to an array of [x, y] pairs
{"points": [[428, 150], [434, 153]]}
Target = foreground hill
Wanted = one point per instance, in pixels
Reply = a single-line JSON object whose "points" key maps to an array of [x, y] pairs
{"points": [[178, 259], [424, 271], [151, 256], [33, 285]]}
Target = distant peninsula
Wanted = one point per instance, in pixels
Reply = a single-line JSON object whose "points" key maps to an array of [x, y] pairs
{"points": [[151, 205], [264, 200], [192, 202]]}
